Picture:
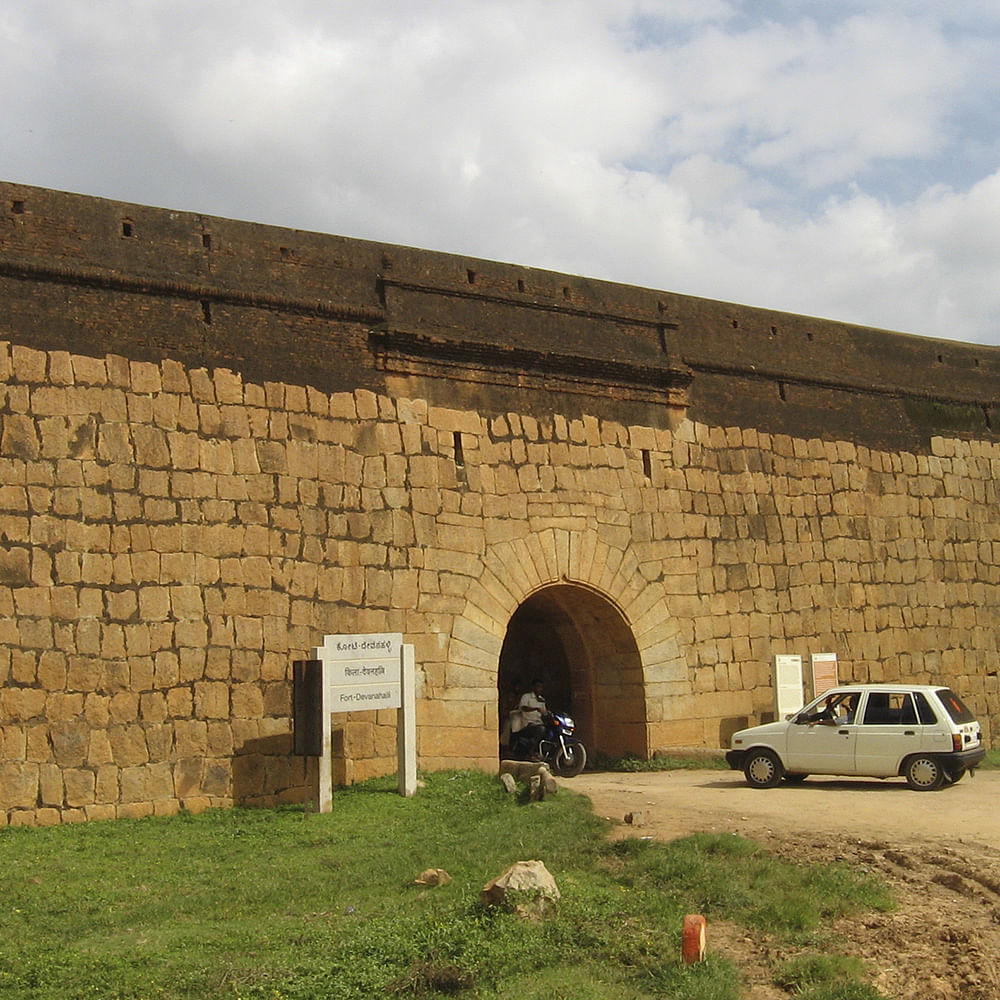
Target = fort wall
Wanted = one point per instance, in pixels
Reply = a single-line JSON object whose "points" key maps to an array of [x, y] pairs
{"points": [[220, 441]]}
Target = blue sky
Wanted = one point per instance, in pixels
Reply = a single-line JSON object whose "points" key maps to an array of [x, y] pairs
{"points": [[831, 158]]}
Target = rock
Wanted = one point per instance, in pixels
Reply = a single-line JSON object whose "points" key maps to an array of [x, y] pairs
{"points": [[636, 818], [525, 770], [520, 769], [526, 887], [508, 782], [432, 876]]}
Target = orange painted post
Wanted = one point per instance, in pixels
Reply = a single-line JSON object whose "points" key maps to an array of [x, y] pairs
{"points": [[693, 938]]}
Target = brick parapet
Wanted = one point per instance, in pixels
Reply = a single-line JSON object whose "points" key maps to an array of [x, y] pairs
{"points": [[225, 294]]}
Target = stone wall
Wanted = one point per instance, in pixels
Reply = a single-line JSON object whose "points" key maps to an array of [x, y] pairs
{"points": [[177, 530]]}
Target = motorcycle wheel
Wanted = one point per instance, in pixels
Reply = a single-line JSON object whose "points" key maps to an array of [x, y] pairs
{"points": [[570, 761]]}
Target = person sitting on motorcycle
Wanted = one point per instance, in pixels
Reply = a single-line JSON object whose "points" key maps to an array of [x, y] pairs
{"points": [[532, 707]]}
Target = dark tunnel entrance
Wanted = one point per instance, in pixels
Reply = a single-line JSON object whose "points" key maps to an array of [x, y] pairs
{"points": [[580, 646]]}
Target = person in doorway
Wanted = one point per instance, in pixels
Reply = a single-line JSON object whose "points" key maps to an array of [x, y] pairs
{"points": [[532, 708]]}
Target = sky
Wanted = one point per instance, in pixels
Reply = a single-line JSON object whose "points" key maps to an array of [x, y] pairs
{"points": [[824, 157]]}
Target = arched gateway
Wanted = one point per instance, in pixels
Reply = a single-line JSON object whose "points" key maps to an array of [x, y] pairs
{"points": [[579, 643], [576, 610]]}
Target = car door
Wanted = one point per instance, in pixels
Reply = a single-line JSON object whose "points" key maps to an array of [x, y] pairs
{"points": [[820, 748], [889, 730]]}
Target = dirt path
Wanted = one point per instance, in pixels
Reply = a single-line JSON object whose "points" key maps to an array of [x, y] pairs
{"points": [[939, 852]]}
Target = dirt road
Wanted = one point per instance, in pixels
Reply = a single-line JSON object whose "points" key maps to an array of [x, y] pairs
{"points": [[938, 851], [676, 803]]}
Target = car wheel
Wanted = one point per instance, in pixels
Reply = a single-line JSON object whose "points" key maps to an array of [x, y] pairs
{"points": [[924, 773], [762, 769], [795, 779]]}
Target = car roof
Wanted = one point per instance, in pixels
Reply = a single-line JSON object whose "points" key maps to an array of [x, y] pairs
{"points": [[858, 688]]}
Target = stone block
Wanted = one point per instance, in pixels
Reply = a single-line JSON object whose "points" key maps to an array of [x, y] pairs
{"points": [[107, 790], [50, 786], [128, 745], [211, 700], [64, 708], [18, 785], [134, 810], [220, 739], [247, 701]]}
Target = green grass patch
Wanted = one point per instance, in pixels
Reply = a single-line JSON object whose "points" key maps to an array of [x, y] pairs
{"points": [[286, 904], [826, 977], [991, 761]]}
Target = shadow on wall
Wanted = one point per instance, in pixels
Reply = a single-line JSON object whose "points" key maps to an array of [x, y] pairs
{"points": [[729, 726], [266, 772]]}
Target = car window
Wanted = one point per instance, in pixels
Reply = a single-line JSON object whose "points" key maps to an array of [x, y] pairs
{"points": [[889, 708], [925, 712], [908, 711], [954, 706]]}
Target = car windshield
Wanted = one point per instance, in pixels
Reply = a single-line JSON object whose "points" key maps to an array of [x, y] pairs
{"points": [[955, 707]]}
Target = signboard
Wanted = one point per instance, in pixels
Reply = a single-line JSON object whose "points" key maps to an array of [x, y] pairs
{"points": [[361, 672], [787, 684], [824, 672], [356, 673]]}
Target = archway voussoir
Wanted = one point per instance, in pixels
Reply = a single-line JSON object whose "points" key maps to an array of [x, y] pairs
{"points": [[607, 579], [597, 562], [518, 579], [466, 654], [492, 581], [486, 601], [660, 645], [486, 615], [663, 671], [625, 582], [547, 550], [562, 541], [526, 562], [581, 558], [648, 614], [467, 631], [544, 573]]}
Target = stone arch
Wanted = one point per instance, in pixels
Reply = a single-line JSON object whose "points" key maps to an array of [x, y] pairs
{"points": [[581, 576]]}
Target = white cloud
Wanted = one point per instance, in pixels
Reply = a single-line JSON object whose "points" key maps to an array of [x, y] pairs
{"points": [[834, 159]]}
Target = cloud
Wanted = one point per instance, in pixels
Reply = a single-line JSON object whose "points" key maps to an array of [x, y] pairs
{"points": [[833, 159]]}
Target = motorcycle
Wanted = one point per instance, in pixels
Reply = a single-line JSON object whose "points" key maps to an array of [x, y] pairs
{"points": [[558, 747]]}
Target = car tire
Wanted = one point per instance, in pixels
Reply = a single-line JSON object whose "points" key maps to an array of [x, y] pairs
{"points": [[794, 779], [762, 768], [923, 773]]}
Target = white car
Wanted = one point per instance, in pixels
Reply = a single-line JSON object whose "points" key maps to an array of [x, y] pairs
{"points": [[922, 732]]}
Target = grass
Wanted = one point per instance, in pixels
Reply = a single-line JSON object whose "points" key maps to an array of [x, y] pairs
{"points": [[825, 977], [289, 905]]}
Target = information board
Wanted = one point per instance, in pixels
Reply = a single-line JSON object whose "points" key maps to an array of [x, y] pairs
{"points": [[361, 672], [787, 684], [824, 672]]}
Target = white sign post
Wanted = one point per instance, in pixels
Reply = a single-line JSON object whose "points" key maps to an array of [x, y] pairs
{"points": [[365, 673]]}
